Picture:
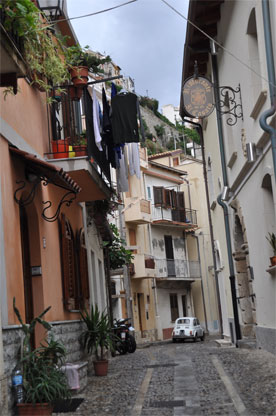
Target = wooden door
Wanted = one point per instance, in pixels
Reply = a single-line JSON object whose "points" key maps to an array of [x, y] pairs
{"points": [[169, 255]]}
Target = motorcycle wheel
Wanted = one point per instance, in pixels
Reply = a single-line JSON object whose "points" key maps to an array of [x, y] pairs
{"points": [[121, 347], [131, 344]]}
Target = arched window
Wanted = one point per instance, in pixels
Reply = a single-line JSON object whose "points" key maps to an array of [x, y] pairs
{"points": [[254, 58]]}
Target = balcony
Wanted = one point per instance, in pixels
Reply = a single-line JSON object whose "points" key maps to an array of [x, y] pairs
{"points": [[137, 211], [177, 269], [12, 63], [185, 218], [144, 266], [73, 146]]}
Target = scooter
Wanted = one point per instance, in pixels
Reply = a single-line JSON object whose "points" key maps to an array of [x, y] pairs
{"points": [[125, 340]]}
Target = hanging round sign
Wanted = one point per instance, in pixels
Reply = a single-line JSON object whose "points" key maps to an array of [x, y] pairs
{"points": [[198, 97]]}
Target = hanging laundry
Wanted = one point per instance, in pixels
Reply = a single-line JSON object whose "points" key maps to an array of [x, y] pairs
{"points": [[134, 159], [124, 118], [122, 172], [107, 131], [96, 120], [113, 90]]}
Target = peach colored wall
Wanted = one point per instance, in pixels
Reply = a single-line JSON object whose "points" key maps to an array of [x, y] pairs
{"points": [[47, 289], [26, 113]]}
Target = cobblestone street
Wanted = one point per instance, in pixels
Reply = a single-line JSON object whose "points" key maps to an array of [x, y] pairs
{"points": [[184, 379]]}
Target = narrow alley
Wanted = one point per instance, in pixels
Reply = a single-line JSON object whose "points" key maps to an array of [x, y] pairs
{"points": [[182, 379]]}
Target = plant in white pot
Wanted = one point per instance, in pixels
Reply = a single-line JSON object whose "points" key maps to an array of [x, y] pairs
{"points": [[97, 338]]}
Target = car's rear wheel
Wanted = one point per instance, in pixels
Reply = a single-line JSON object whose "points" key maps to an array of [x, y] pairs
{"points": [[203, 336], [174, 340], [195, 337]]}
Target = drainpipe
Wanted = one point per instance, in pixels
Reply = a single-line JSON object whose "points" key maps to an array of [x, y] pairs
{"points": [[202, 291], [198, 125], [231, 267], [272, 82], [219, 199]]}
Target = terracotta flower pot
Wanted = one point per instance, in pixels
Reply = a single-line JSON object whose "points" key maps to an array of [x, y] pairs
{"points": [[273, 261], [101, 367], [75, 93], [60, 148], [29, 409], [79, 75], [80, 150]]}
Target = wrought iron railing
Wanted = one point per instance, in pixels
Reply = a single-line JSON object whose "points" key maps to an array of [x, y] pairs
{"points": [[177, 268], [187, 216]]}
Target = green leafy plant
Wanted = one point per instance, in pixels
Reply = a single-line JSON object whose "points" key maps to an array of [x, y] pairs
{"points": [[98, 336], [271, 238], [40, 48], [43, 380], [118, 254], [77, 56]]}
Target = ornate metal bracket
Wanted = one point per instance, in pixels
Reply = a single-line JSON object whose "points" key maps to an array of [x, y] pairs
{"points": [[35, 181], [64, 200], [229, 105]]}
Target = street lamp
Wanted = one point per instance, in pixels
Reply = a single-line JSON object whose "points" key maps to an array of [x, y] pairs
{"points": [[53, 9]]}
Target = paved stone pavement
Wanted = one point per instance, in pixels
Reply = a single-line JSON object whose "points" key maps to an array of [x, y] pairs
{"points": [[182, 379]]}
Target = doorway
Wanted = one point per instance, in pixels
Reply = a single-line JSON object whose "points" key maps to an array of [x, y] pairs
{"points": [[184, 305], [169, 255], [141, 308]]}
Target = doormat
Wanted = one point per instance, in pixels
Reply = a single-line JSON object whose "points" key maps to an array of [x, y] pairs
{"points": [[66, 406]]}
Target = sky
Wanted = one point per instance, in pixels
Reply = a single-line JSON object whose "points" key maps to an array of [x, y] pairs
{"points": [[145, 38]]}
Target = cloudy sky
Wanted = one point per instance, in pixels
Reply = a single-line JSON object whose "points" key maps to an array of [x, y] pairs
{"points": [[145, 38]]}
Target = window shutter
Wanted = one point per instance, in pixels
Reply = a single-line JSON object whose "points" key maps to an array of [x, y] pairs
{"points": [[83, 271], [180, 200], [158, 195], [68, 264], [167, 198], [173, 198]]}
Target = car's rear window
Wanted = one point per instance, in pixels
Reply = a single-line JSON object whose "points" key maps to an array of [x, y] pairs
{"points": [[183, 321]]}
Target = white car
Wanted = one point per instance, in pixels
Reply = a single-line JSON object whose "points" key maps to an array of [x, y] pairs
{"points": [[187, 328]]}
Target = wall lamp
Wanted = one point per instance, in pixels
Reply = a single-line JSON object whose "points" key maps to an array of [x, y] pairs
{"points": [[52, 9]]}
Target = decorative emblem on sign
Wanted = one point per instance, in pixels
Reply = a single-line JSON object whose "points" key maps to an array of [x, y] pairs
{"points": [[198, 97]]}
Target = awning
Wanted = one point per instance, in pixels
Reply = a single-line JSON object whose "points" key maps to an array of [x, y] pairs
{"points": [[54, 175]]}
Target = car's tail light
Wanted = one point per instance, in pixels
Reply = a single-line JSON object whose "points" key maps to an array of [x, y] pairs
{"points": [[191, 332]]}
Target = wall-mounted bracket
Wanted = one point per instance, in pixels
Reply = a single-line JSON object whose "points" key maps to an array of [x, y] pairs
{"points": [[230, 105], [35, 180]]}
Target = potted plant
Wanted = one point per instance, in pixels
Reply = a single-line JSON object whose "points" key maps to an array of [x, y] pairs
{"points": [[97, 338], [60, 148], [81, 61], [41, 49], [80, 145], [271, 238], [43, 380]]}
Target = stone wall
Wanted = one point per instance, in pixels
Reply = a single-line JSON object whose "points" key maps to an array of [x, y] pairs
{"points": [[266, 339], [68, 332], [152, 120]]}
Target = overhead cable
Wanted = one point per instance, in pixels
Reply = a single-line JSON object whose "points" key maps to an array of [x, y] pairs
{"points": [[216, 42], [95, 13]]}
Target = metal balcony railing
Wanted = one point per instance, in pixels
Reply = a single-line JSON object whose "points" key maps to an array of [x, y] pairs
{"points": [[187, 216], [177, 268], [73, 130]]}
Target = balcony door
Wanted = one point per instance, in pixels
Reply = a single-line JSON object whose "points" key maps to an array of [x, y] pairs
{"points": [[169, 255]]}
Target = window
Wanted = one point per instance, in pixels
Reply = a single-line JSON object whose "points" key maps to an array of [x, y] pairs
{"points": [[158, 195], [149, 192], [175, 161], [84, 294], [174, 307]]}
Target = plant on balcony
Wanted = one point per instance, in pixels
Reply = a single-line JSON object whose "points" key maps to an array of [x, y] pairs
{"points": [[42, 51], [118, 254], [81, 61]]}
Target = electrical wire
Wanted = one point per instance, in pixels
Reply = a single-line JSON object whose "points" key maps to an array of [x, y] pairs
{"points": [[217, 43], [93, 14]]}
